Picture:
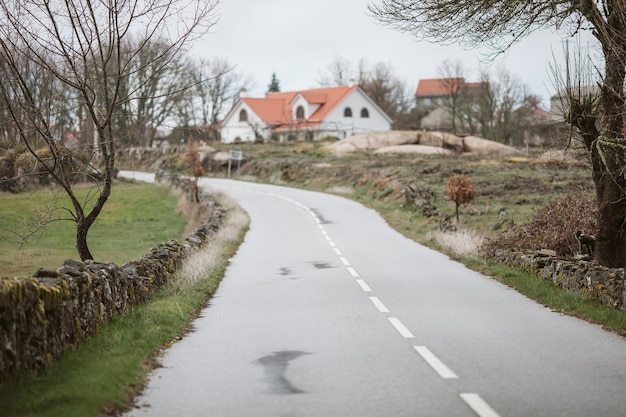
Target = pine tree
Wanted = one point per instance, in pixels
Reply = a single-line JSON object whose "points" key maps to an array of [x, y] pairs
{"points": [[274, 86]]}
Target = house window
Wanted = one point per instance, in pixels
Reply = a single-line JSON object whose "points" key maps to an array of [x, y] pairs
{"points": [[347, 112], [365, 113], [243, 115], [300, 113]]}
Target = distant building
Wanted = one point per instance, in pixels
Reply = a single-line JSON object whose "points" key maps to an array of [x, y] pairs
{"points": [[559, 102], [436, 95], [303, 115]]}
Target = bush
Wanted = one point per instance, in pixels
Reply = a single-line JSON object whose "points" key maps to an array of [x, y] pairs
{"points": [[552, 227], [461, 190]]}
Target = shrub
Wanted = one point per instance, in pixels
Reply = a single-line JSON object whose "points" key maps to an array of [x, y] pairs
{"points": [[461, 190], [552, 227]]}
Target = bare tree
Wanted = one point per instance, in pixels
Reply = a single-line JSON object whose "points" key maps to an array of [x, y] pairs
{"points": [[599, 124], [378, 81], [453, 83], [79, 46], [390, 93], [218, 87], [499, 106], [157, 83], [339, 72]]}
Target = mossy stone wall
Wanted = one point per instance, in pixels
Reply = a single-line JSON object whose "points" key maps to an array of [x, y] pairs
{"points": [[45, 315], [602, 284]]}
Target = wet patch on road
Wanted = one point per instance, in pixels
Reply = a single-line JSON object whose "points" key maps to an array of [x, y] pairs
{"points": [[284, 271], [275, 366], [319, 216], [322, 265]]}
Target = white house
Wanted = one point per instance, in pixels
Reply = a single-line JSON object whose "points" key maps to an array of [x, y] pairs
{"points": [[309, 115]]}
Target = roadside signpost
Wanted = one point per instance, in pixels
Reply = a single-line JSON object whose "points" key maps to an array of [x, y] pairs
{"points": [[234, 155]]}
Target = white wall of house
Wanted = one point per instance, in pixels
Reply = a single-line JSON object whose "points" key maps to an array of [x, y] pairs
{"points": [[348, 126], [233, 129]]}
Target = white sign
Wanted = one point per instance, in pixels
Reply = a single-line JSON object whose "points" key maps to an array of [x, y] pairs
{"points": [[235, 155]]}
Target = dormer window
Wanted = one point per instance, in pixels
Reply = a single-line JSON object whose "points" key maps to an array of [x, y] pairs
{"points": [[300, 113], [243, 115], [365, 113], [347, 112]]}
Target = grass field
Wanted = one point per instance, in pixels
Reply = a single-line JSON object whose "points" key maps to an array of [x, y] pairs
{"points": [[136, 217], [102, 374], [517, 185]]}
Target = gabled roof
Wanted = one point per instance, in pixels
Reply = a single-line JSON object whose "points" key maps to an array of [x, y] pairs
{"points": [[437, 86], [270, 110], [276, 108]]}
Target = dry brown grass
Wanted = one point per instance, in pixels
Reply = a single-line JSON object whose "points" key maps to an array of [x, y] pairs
{"points": [[196, 214], [202, 262], [460, 242]]}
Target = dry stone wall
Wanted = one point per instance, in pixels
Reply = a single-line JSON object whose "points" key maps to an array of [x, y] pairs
{"points": [[45, 315], [602, 284]]}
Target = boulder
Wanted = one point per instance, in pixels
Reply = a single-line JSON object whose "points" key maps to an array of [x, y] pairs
{"points": [[372, 140], [221, 156], [416, 149], [480, 146], [341, 148], [377, 140], [441, 140]]}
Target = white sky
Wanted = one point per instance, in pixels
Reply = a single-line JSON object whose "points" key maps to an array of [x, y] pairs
{"points": [[298, 39]]}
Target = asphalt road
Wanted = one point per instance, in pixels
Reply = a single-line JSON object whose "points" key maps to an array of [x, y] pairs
{"points": [[327, 311]]}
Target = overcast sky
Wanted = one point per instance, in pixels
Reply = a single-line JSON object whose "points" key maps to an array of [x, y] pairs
{"points": [[298, 39]]}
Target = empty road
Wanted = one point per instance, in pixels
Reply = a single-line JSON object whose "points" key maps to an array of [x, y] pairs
{"points": [[327, 311]]}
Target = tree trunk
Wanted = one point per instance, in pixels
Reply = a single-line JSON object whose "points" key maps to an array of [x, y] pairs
{"points": [[81, 241], [610, 237], [608, 165]]}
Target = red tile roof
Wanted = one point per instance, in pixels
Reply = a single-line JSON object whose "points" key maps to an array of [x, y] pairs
{"points": [[276, 108], [273, 111], [437, 86]]}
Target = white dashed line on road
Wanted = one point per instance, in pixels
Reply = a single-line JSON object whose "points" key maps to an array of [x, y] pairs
{"points": [[435, 363], [353, 272], [401, 328], [480, 407], [363, 285], [474, 401], [379, 305]]}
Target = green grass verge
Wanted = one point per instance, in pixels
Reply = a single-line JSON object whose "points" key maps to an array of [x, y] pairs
{"points": [[570, 302], [416, 227], [136, 217], [104, 371]]}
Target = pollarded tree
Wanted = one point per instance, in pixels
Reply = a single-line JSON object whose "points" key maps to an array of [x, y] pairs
{"points": [[78, 47], [501, 23]]}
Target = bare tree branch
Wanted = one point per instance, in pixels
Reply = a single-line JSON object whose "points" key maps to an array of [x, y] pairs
{"points": [[83, 55]]}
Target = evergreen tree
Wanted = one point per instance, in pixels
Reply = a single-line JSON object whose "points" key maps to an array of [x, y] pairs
{"points": [[274, 86]]}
